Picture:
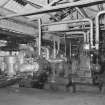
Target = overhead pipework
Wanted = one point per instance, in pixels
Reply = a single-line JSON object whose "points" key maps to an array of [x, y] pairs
{"points": [[79, 33], [76, 21]]}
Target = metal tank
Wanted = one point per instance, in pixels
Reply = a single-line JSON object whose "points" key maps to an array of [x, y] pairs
{"points": [[10, 65]]}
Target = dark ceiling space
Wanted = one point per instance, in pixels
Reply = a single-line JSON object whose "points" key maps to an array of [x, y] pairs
{"points": [[14, 39]]}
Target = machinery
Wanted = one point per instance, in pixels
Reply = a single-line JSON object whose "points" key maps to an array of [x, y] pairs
{"points": [[24, 67], [37, 77], [66, 50]]}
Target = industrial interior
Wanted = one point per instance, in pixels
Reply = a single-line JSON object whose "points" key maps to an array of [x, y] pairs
{"points": [[52, 49]]}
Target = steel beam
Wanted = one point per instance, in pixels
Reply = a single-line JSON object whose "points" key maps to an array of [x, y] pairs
{"points": [[18, 24], [5, 3], [91, 9], [58, 7], [33, 4], [22, 20], [81, 13], [53, 2]]}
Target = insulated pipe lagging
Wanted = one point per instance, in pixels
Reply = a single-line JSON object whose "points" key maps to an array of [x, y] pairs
{"points": [[98, 29]]}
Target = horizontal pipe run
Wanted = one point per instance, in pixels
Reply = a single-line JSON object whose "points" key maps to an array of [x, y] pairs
{"points": [[76, 21], [72, 37], [63, 31], [67, 22], [76, 32]]}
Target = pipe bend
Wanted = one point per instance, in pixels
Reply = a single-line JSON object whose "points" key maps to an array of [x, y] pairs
{"points": [[76, 21], [100, 13], [97, 28]]}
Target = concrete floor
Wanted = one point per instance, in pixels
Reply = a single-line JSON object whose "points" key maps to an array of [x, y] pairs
{"points": [[16, 96]]}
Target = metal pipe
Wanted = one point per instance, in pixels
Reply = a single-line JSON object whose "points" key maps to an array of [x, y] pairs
{"points": [[55, 8], [40, 36], [65, 44], [97, 29], [70, 49], [77, 21], [87, 36], [54, 48], [78, 32], [72, 37], [70, 21], [58, 46]]}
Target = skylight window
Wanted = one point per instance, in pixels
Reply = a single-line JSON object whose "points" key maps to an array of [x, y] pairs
{"points": [[21, 2]]}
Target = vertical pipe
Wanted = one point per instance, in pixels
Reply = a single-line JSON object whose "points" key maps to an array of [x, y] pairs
{"points": [[65, 43], [88, 40], [77, 21], [85, 38], [91, 33], [40, 36], [97, 29], [54, 49], [58, 44], [70, 49]]}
